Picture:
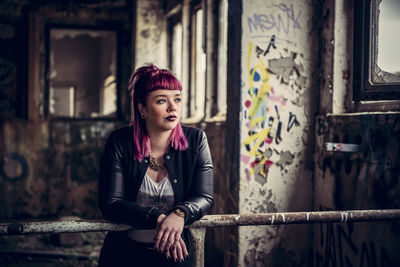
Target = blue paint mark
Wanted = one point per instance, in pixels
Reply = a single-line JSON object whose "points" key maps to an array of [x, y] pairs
{"points": [[256, 76], [277, 112]]}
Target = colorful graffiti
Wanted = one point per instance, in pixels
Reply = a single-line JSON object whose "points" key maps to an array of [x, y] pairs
{"points": [[264, 119]]}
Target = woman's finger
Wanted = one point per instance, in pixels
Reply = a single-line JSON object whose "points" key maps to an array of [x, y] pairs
{"points": [[179, 252], [171, 241], [168, 254], [184, 249], [157, 240], [174, 254], [164, 241]]}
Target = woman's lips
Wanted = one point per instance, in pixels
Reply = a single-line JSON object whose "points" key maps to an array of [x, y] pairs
{"points": [[171, 118]]}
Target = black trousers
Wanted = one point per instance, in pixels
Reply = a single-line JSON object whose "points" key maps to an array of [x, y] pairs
{"points": [[120, 251]]}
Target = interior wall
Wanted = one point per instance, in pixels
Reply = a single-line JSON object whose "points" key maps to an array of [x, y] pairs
{"points": [[278, 62]]}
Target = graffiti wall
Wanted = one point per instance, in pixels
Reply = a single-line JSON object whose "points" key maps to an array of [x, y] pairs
{"points": [[365, 178], [275, 128]]}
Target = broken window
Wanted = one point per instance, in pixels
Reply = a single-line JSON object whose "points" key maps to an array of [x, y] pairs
{"points": [[82, 73], [187, 31], [376, 50]]}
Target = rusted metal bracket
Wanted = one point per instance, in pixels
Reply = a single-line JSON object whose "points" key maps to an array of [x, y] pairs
{"points": [[342, 147]]}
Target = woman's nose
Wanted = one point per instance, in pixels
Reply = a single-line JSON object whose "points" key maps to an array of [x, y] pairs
{"points": [[171, 106]]}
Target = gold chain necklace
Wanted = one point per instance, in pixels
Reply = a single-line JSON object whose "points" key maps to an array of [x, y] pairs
{"points": [[154, 165]]}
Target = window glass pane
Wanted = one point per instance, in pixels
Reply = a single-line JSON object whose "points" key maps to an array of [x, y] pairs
{"points": [[82, 73], [387, 69], [177, 50], [200, 65], [222, 56]]}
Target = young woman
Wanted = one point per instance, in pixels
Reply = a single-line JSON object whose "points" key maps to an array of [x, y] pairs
{"points": [[155, 175]]}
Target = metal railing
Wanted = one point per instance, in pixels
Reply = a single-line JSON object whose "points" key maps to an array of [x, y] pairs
{"points": [[198, 229]]}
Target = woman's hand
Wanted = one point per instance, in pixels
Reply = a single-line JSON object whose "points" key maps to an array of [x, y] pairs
{"points": [[178, 251], [169, 229]]}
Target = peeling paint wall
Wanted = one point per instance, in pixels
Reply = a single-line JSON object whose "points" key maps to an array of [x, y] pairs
{"points": [[278, 61], [366, 179]]}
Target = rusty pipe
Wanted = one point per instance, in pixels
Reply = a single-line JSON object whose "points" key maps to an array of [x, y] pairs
{"points": [[220, 220]]}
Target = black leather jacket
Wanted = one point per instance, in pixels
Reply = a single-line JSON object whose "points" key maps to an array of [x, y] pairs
{"points": [[190, 171]]}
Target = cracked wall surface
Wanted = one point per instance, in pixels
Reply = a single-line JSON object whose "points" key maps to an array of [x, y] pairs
{"points": [[277, 103]]}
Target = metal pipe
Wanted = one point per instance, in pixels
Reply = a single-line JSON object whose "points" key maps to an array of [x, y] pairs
{"points": [[198, 237], [198, 229], [296, 218], [60, 226], [221, 220], [44, 254]]}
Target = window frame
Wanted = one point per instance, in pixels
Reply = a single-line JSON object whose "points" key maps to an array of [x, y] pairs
{"points": [[364, 60], [107, 26]]}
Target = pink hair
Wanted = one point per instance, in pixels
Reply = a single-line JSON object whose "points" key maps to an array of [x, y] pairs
{"points": [[144, 80]]}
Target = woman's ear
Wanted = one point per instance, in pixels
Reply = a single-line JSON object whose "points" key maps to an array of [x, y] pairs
{"points": [[141, 109]]}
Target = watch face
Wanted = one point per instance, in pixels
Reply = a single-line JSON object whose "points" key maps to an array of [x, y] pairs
{"points": [[180, 213]]}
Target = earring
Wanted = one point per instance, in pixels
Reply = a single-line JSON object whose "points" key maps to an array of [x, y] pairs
{"points": [[143, 116]]}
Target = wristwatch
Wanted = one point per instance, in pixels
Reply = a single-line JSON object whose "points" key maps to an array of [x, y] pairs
{"points": [[180, 213]]}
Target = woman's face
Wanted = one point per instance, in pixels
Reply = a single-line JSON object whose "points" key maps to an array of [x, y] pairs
{"points": [[162, 110]]}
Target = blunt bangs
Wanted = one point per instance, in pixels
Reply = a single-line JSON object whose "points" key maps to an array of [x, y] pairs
{"points": [[164, 80]]}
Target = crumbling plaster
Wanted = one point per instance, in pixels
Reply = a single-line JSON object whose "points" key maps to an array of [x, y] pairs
{"points": [[278, 63]]}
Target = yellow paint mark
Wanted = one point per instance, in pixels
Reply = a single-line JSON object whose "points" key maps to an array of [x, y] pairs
{"points": [[256, 102], [254, 121], [261, 136], [251, 76], [264, 89]]}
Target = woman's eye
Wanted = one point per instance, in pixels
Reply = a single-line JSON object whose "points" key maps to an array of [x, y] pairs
{"points": [[161, 101], [177, 100]]}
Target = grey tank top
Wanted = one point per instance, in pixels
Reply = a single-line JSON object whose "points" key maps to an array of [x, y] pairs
{"points": [[153, 194]]}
